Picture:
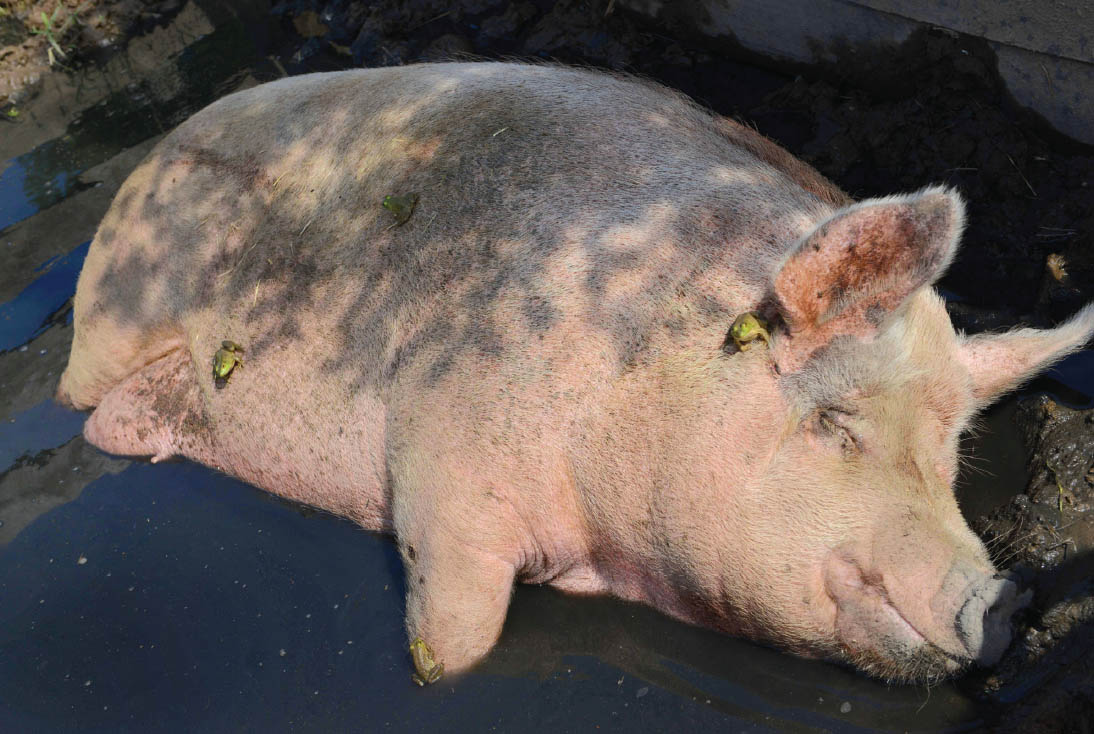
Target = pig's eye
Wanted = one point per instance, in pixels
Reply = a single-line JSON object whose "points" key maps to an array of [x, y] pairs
{"points": [[837, 424]]}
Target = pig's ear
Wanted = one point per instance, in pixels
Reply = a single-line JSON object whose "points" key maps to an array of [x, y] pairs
{"points": [[861, 264], [998, 363]]}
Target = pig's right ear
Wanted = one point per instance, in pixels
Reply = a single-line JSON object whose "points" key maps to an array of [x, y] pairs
{"points": [[859, 265]]}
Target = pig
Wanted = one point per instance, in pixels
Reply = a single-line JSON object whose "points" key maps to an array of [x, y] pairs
{"points": [[487, 308]]}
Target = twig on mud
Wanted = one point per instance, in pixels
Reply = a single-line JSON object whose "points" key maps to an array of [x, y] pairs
{"points": [[427, 22], [1064, 544], [1060, 488], [1065, 527], [1056, 233], [1021, 175], [280, 68]]}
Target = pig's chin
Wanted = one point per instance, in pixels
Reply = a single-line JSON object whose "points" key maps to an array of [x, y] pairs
{"points": [[873, 635]]}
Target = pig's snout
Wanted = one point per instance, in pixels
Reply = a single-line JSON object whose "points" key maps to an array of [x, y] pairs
{"points": [[983, 622]]}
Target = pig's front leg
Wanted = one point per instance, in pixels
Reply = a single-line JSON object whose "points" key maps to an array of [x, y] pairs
{"points": [[459, 579], [456, 602]]}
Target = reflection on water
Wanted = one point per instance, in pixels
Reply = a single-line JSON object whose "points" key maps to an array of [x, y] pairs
{"points": [[45, 426], [28, 314], [15, 204], [1076, 373]]}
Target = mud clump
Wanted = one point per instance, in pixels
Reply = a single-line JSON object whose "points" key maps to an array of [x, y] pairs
{"points": [[1047, 533], [1052, 522]]}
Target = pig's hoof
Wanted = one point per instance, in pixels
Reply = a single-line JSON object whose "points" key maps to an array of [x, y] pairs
{"points": [[427, 669]]}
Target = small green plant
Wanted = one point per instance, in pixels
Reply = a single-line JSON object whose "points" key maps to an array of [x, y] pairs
{"points": [[54, 33]]}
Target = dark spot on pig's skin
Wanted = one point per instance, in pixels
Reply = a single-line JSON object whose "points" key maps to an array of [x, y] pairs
{"points": [[411, 553], [439, 368], [875, 313], [421, 579], [539, 312], [246, 171]]}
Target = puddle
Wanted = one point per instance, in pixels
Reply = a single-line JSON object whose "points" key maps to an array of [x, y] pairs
{"points": [[1076, 375], [170, 593], [14, 203], [995, 466], [45, 426], [28, 314]]}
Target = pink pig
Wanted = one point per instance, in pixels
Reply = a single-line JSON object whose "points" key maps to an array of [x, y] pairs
{"points": [[524, 372]]}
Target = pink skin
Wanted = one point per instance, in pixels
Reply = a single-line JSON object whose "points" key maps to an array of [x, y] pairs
{"points": [[528, 380]]}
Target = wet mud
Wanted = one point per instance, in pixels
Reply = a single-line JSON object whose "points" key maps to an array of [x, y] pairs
{"points": [[202, 600]]}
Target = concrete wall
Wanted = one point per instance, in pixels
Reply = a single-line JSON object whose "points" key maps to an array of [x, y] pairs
{"points": [[1045, 47]]}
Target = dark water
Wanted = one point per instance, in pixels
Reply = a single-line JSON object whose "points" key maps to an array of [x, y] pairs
{"points": [[42, 427], [28, 314], [171, 598]]}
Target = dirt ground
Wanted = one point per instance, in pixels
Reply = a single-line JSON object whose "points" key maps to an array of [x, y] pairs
{"points": [[38, 37], [895, 119]]}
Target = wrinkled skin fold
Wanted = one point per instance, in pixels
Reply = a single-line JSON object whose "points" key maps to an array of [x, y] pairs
{"points": [[526, 376]]}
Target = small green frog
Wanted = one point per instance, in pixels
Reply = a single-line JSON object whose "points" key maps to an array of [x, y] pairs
{"points": [[226, 359], [428, 670], [401, 207], [748, 328]]}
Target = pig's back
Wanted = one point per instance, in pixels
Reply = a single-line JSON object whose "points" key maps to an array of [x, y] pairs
{"points": [[552, 201]]}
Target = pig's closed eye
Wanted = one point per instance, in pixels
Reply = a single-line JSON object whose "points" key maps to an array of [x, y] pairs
{"points": [[836, 425]]}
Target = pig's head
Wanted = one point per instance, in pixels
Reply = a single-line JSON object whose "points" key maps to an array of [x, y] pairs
{"points": [[875, 389], [809, 498]]}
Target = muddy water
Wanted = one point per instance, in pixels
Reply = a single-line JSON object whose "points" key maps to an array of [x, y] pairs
{"points": [[138, 597]]}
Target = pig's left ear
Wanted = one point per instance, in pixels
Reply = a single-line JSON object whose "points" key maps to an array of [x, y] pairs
{"points": [[859, 265], [998, 363]]}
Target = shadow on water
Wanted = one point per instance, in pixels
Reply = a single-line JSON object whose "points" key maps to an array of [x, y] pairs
{"points": [[1071, 381]]}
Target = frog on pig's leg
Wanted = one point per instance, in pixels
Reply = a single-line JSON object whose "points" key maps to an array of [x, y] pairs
{"points": [[460, 569]]}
